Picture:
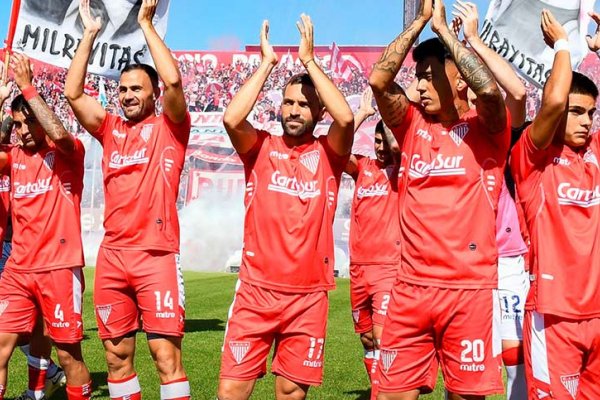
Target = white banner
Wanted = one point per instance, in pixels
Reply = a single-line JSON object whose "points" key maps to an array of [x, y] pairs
{"points": [[512, 29], [49, 31]]}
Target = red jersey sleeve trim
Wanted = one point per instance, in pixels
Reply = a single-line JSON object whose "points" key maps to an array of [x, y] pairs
{"points": [[99, 134], [180, 131], [399, 131], [249, 157]]}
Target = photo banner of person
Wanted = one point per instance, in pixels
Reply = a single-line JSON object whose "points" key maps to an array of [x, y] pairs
{"points": [[49, 31], [512, 29]]}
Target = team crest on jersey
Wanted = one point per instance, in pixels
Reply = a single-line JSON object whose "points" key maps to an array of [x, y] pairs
{"points": [[239, 350], [590, 157], [571, 383], [387, 358], [49, 160], [311, 160], [147, 132], [355, 315], [458, 133], [104, 312], [3, 306]]}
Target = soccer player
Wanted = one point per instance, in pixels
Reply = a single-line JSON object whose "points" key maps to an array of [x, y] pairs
{"points": [[374, 238], [443, 303], [292, 184], [513, 280], [43, 274], [41, 364], [137, 271], [556, 169]]}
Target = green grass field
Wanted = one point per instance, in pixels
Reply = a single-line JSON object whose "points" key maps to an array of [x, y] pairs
{"points": [[208, 296]]}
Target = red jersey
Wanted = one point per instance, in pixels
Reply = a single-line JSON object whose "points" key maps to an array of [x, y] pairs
{"points": [[142, 163], [46, 195], [559, 190], [449, 187], [4, 200], [374, 226], [291, 196]]}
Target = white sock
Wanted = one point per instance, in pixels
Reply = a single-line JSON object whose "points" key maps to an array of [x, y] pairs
{"points": [[516, 388]]}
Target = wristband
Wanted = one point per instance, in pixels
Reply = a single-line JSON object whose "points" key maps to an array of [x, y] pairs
{"points": [[29, 92], [308, 62], [561, 44]]}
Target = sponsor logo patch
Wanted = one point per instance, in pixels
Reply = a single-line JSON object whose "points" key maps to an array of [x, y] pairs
{"points": [[571, 383], [310, 160], [239, 350]]}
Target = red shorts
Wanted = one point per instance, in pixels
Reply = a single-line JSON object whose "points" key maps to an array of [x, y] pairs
{"points": [[458, 327], [134, 283], [562, 357], [296, 322], [56, 294], [370, 287]]}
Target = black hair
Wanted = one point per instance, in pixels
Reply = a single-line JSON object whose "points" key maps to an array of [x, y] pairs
{"points": [[19, 104], [299, 79], [379, 127], [581, 84], [149, 70], [431, 48]]}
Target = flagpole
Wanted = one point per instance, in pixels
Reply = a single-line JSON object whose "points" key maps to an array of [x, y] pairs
{"points": [[12, 27]]}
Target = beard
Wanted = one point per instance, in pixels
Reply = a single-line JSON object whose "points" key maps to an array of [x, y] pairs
{"points": [[302, 127]]}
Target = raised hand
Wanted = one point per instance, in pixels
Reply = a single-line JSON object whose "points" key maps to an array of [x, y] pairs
{"points": [[90, 23], [306, 50], [594, 41], [21, 67], [466, 12], [552, 29], [438, 20], [366, 103], [266, 50], [147, 11], [5, 87], [426, 10]]}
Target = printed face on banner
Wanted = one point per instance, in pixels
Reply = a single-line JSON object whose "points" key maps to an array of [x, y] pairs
{"points": [[48, 30]]}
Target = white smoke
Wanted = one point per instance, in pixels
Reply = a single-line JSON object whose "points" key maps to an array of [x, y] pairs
{"points": [[211, 231]]}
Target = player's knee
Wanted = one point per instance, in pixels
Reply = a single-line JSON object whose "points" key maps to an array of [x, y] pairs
{"points": [[8, 343], [288, 390], [234, 390], [119, 358], [69, 355]]}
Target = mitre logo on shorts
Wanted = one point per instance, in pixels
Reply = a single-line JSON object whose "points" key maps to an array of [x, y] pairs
{"points": [[569, 195], [104, 312], [293, 186], [146, 132], [3, 306], [378, 189], [32, 189], [387, 359], [239, 350], [440, 166], [310, 160], [118, 161], [49, 160], [571, 383], [458, 133]]}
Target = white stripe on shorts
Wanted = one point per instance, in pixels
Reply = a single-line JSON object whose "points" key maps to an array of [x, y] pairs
{"points": [[539, 348], [230, 312], [76, 290], [496, 323]]}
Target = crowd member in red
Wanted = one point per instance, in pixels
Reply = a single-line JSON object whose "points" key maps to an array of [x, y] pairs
{"points": [[513, 280], [43, 274], [292, 184], [556, 169], [137, 271], [374, 237], [444, 301]]}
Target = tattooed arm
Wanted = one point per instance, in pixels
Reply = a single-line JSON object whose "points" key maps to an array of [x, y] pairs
{"points": [[391, 99], [49, 121], [490, 103]]}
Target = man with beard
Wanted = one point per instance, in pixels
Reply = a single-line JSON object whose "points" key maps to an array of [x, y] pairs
{"points": [[292, 183], [137, 271]]}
